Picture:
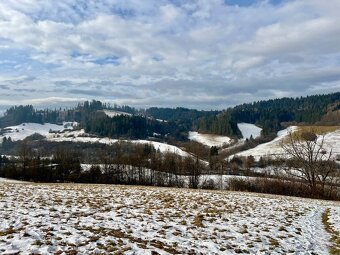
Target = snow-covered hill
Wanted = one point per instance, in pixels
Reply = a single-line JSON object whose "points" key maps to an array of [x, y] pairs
{"points": [[209, 139], [24, 130], [81, 136], [249, 130], [273, 148]]}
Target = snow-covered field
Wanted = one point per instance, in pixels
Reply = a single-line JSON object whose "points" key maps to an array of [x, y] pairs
{"points": [[24, 130], [249, 130], [103, 219], [208, 139]]}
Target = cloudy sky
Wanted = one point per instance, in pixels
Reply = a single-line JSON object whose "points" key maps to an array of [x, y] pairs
{"points": [[206, 54]]}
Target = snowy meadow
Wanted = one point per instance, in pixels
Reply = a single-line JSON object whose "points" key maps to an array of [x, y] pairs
{"points": [[109, 219]]}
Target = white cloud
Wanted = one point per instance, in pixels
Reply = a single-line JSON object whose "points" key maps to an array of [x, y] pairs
{"points": [[161, 52]]}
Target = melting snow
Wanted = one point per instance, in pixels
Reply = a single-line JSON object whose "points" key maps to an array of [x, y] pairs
{"points": [[103, 219]]}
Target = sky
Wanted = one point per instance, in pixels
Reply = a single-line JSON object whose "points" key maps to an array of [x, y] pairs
{"points": [[204, 54]]}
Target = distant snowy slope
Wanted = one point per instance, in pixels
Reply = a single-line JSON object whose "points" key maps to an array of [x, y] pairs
{"points": [[112, 113], [270, 148], [249, 130], [332, 141], [24, 130], [208, 139], [81, 136], [163, 147], [273, 148]]}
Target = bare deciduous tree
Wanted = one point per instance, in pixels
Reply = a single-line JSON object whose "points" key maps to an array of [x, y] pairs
{"points": [[309, 159]]}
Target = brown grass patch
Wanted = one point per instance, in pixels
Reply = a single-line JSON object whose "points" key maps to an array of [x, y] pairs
{"points": [[335, 235], [319, 130]]}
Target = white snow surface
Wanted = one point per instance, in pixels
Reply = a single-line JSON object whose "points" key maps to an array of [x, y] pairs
{"points": [[112, 113], [249, 130], [109, 219], [5, 180], [268, 149], [81, 136], [209, 139], [273, 148], [332, 140], [24, 130], [334, 218]]}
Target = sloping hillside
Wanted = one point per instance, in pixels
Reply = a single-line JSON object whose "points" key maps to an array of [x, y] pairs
{"points": [[274, 148]]}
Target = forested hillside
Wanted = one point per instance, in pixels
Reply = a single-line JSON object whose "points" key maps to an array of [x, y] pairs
{"points": [[186, 118], [174, 123], [271, 114]]}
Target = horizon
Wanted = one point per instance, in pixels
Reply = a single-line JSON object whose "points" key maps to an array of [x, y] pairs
{"points": [[3, 108], [205, 55]]}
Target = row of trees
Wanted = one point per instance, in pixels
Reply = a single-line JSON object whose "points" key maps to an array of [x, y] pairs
{"points": [[306, 160], [143, 166]]}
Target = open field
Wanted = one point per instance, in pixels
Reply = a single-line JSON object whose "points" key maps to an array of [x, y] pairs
{"points": [[108, 219]]}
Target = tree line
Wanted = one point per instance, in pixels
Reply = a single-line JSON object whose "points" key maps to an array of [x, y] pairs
{"points": [[125, 163], [271, 114]]}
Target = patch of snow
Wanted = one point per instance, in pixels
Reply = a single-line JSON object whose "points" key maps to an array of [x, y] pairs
{"points": [[268, 149], [332, 141], [163, 147], [5, 180], [334, 218], [112, 113], [249, 130], [161, 120], [209, 139], [81, 136]]}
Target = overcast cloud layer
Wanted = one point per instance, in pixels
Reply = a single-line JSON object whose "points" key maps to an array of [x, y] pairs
{"points": [[206, 54]]}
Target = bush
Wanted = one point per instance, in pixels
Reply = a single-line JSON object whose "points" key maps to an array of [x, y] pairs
{"points": [[208, 184]]}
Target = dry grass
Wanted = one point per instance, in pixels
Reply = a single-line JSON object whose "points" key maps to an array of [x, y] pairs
{"points": [[119, 219], [319, 130], [334, 248]]}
